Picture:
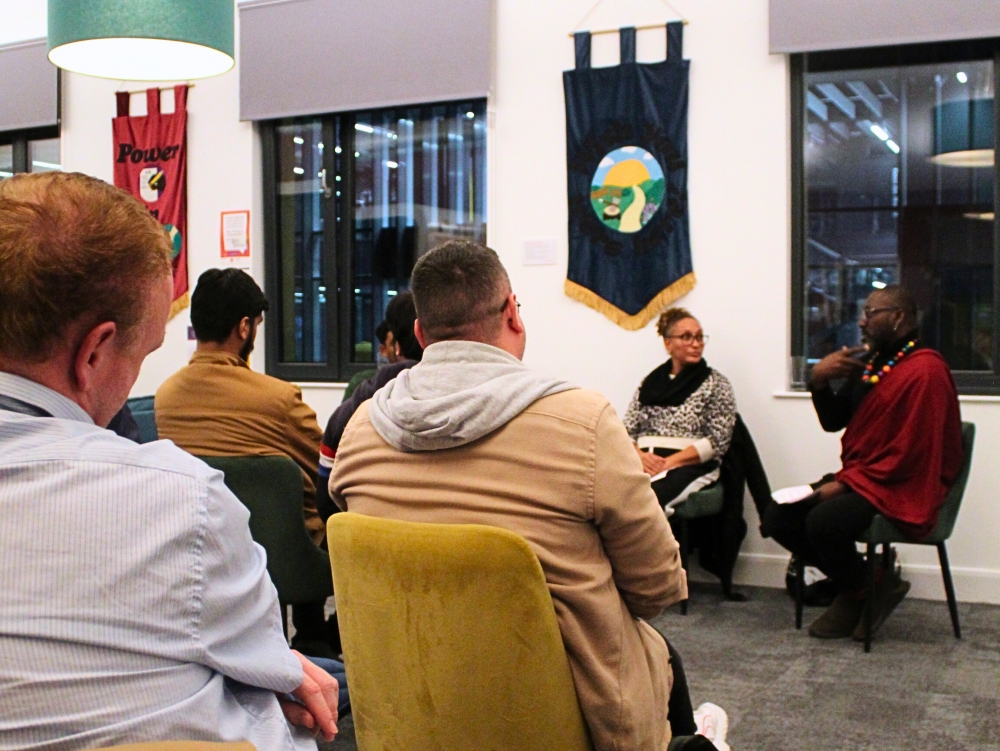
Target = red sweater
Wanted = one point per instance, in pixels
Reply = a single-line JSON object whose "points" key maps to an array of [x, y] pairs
{"points": [[902, 449]]}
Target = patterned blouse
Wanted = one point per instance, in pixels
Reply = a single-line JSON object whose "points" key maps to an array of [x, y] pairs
{"points": [[710, 412]]}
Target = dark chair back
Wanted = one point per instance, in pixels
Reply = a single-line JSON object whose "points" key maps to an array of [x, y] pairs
{"points": [[271, 488], [949, 511], [142, 411]]}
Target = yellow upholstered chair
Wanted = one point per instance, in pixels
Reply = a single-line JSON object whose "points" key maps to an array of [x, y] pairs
{"points": [[184, 746], [450, 639]]}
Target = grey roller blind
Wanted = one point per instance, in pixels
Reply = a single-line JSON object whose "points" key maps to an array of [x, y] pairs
{"points": [[301, 57], [29, 86], [811, 25]]}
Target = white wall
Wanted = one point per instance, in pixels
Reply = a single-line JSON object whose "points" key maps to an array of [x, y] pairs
{"points": [[739, 204]]}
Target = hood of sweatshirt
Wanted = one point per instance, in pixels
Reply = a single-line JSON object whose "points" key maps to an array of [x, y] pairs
{"points": [[459, 392]]}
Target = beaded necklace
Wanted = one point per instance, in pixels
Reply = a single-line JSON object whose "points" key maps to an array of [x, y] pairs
{"points": [[874, 378]]}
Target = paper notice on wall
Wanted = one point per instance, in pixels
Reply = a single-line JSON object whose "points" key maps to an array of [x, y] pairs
{"points": [[540, 252], [235, 234]]}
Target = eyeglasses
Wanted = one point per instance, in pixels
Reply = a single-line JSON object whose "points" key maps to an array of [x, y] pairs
{"points": [[504, 306], [687, 338], [867, 313]]}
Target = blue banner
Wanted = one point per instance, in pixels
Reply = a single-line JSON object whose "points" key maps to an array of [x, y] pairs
{"points": [[626, 155]]}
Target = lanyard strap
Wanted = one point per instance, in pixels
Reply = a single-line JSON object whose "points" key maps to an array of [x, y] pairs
{"points": [[10, 404]]}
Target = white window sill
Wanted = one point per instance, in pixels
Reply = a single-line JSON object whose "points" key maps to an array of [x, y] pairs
{"points": [[963, 399]]}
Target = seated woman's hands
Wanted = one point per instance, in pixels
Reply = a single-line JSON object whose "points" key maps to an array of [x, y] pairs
{"points": [[651, 463]]}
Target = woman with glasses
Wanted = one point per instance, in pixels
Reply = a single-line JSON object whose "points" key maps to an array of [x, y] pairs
{"points": [[684, 410]]}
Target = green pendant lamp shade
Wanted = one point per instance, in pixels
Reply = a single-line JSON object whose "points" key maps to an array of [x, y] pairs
{"points": [[142, 40], [963, 133]]}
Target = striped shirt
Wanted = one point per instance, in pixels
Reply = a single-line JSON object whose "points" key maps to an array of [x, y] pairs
{"points": [[134, 606]]}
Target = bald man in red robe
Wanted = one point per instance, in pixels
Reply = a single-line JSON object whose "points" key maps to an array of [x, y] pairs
{"points": [[901, 452]]}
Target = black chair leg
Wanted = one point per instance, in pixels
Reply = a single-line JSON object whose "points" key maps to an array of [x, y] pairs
{"points": [[800, 584], [684, 558], [870, 597], [949, 589]]}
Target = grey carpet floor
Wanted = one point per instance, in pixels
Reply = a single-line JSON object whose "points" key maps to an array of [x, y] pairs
{"points": [[918, 689]]}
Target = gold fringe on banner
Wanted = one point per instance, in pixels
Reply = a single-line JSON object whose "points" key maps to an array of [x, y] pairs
{"points": [[179, 304], [631, 323]]}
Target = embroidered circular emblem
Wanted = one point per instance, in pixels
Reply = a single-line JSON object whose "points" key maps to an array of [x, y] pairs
{"points": [[152, 181], [175, 240], [627, 188]]}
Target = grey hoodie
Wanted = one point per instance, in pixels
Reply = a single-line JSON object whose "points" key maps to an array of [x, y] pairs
{"points": [[459, 392]]}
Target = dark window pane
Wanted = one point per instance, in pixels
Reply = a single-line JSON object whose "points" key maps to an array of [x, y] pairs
{"points": [[898, 167], [303, 336], [419, 180]]}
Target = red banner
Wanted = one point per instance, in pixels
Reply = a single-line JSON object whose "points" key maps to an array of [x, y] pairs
{"points": [[151, 164]]}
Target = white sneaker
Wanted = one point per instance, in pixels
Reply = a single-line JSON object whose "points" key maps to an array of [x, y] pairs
{"points": [[713, 723]]}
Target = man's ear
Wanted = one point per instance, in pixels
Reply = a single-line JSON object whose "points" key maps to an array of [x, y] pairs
{"points": [[514, 321], [418, 331], [244, 327], [94, 349]]}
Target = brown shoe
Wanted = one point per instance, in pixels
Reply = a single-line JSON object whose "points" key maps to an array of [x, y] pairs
{"points": [[888, 594], [839, 620]]}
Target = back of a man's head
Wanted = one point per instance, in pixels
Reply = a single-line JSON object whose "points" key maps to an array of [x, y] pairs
{"points": [[74, 252], [221, 299], [459, 290], [400, 314]]}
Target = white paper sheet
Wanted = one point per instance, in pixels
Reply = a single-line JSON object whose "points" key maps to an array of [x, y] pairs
{"points": [[793, 495]]}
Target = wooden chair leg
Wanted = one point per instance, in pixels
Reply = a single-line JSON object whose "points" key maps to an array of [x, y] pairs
{"points": [[870, 597], [684, 558], [949, 589], [800, 585]]}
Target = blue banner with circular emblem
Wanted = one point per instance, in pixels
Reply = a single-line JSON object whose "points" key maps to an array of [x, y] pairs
{"points": [[626, 155]]}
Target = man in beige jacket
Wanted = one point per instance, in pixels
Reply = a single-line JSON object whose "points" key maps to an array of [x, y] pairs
{"points": [[471, 435]]}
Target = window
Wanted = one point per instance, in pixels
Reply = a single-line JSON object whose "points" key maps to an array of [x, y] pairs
{"points": [[352, 201], [894, 182], [29, 151]]}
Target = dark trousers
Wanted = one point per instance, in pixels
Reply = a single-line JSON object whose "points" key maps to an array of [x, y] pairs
{"points": [[823, 534], [680, 713]]}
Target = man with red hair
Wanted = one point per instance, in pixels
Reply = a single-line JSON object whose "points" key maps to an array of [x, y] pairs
{"points": [[134, 606]]}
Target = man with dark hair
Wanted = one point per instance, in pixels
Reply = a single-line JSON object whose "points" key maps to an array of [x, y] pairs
{"points": [[403, 352], [223, 300], [217, 406], [135, 606], [901, 452], [471, 435]]}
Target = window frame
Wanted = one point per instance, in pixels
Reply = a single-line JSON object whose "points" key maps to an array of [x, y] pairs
{"points": [[968, 382], [338, 248]]}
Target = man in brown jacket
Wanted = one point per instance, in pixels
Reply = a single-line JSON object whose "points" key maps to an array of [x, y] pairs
{"points": [[217, 406], [471, 435]]}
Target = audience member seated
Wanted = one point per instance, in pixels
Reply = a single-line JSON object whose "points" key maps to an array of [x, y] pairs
{"points": [[403, 351], [217, 406], [688, 403], [134, 606], [471, 435], [901, 451]]}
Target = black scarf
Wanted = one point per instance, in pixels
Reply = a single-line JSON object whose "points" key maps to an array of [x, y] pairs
{"points": [[658, 389]]}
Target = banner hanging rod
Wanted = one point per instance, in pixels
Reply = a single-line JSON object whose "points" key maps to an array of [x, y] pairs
{"points": [[637, 28], [161, 88]]}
